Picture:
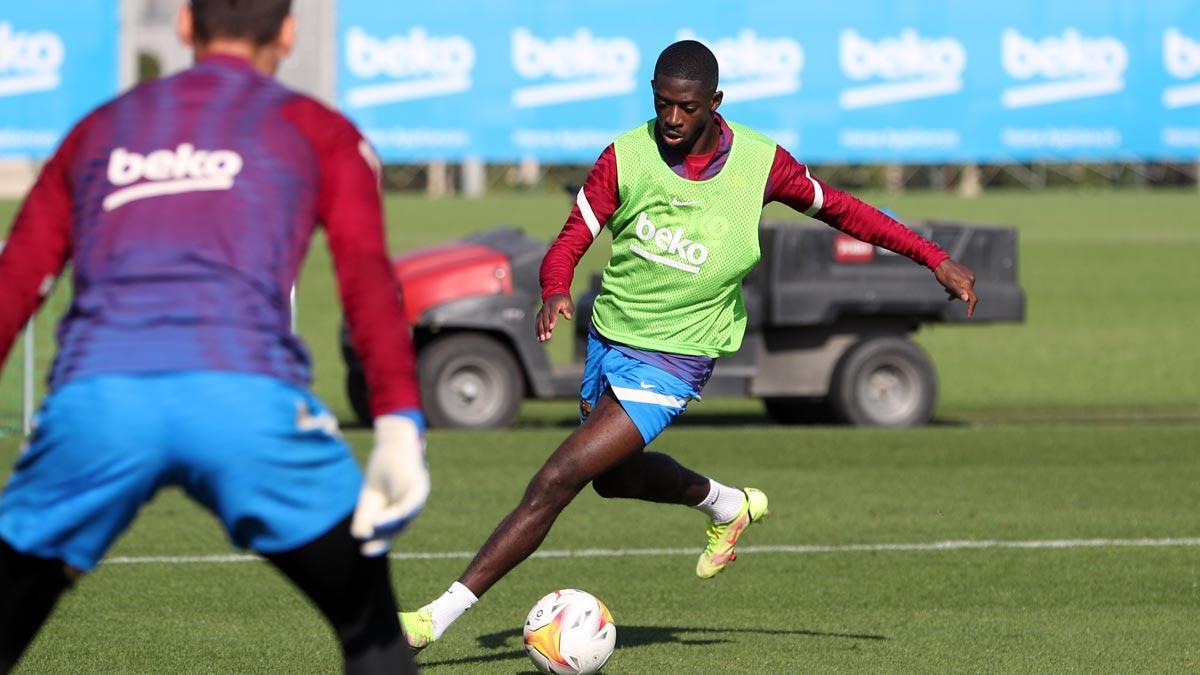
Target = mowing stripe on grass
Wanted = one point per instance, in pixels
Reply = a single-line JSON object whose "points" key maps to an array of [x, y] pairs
{"points": [[962, 545]]}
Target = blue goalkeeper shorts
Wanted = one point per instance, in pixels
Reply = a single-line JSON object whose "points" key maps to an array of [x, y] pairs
{"points": [[264, 456], [651, 396]]}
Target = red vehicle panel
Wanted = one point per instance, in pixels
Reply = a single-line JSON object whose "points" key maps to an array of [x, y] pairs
{"points": [[847, 249], [440, 274]]}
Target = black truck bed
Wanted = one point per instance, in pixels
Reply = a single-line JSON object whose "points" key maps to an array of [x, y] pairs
{"points": [[813, 275]]}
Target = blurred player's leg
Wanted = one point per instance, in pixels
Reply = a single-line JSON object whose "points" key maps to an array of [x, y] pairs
{"points": [[29, 588], [355, 595], [266, 457], [93, 460]]}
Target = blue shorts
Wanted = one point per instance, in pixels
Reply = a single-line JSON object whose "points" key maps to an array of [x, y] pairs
{"points": [[651, 396], [264, 456]]}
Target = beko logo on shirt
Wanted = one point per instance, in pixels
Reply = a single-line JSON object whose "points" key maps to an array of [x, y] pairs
{"points": [[418, 65], [688, 255], [754, 67], [1071, 66], [912, 67], [169, 172], [29, 62], [1181, 57], [578, 67]]}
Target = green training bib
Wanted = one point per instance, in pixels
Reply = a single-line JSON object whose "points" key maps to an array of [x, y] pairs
{"points": [[681, 248]]}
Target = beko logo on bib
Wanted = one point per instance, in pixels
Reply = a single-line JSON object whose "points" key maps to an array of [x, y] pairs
{"points": [[169, 172], [1181, 58], [579, 67], [29, 62], [685, 255], [912, 67], [754, 67], [417, 65], [1072, 66]]}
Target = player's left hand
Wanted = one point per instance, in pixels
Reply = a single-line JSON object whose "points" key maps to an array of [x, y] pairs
{"points": [[396, 485], [959, 283]]}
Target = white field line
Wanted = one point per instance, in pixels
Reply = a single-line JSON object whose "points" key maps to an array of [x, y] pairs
{"points": [[963, 545]]}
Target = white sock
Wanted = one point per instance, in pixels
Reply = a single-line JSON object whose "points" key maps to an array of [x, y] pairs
{"points": [[452, 604], [722, 503]]}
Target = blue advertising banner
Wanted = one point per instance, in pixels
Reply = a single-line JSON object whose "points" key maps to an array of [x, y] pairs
{"points": [[865, 81], [58, 59]]}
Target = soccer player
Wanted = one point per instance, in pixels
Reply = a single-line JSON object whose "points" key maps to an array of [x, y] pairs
{"points": [[682, 196], [186, 206]]}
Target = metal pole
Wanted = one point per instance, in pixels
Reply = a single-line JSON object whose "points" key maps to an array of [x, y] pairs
{"points": [[27, 419], [127, 67], [295, 325], [474, 177]]}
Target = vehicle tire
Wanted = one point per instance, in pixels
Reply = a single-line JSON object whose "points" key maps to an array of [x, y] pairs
{"points": [[793, 410], [884, 382], [471, 381], [356, 391]]}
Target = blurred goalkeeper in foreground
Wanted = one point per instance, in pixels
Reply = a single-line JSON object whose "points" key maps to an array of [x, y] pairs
{"points": [[186, 207]]}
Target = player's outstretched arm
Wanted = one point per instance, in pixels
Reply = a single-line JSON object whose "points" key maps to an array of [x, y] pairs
{"points": [[791, 183]]}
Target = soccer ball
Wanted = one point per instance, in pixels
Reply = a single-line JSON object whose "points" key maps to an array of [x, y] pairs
{"points": [[570, 632]]}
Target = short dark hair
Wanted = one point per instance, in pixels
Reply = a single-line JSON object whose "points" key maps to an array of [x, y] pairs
{"points": [[257, 20], [688, 60]]}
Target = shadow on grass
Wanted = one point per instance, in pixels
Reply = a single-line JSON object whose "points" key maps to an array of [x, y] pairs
{"points": [[640, 636]]}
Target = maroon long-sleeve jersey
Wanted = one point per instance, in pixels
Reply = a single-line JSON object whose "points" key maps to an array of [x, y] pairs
{"points": [[789, 182]]}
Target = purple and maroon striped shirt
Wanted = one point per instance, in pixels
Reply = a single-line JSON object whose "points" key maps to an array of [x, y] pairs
{"points": [[187, 205]]}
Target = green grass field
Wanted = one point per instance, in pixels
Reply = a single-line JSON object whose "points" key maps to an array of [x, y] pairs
{"points": [[1081, 426]]}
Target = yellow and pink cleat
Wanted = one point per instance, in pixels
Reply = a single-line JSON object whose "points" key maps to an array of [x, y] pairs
{"points": [[418, 628], [721, 538]]}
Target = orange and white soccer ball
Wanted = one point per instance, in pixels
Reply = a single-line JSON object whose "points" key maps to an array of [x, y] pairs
{"points": [[570, 632]]}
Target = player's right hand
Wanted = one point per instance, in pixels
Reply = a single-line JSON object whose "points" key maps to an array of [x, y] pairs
{"points": [[547, 317], [396, 484]]}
